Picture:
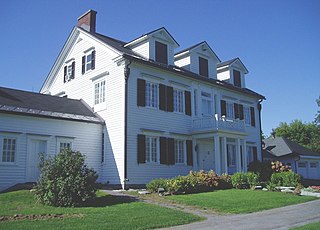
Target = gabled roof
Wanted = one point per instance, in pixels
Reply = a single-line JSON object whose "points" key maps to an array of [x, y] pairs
{"points": [[126, 52], [232, 61], [145, 36], [282, 147], [41, 105], [197, 45], [187, 73]]}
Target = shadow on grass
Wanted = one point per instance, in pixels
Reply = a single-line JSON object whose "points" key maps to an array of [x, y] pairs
{"points": [[109, 200]]}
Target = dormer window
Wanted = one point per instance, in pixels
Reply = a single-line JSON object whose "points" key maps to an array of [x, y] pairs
{"points": [[237, 78], [69, 72], [203, 67], [161, 52], [88, 61]]}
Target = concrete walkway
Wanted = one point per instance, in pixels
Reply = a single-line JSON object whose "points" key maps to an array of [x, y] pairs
{"points": [[278, 218]]}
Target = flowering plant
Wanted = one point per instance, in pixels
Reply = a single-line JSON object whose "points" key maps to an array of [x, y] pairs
{"points": [[313, 189], [278, 166]]}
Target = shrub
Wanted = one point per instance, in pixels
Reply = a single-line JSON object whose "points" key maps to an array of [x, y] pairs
{"points": [[244, 180], [278, 166], [224, 182], [262, 168], [288, 179], [65, 180], [155, 184], [195, 181]]}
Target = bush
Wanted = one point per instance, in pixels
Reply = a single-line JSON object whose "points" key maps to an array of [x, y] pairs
{"points": [[244, 180], [262, 168], [278, 166], [65, 180], [155, 184], [287, 179], [224, 182], [194, 182]]}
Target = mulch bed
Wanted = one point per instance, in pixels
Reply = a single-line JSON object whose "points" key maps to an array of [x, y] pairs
{"points": [[38, 217]]}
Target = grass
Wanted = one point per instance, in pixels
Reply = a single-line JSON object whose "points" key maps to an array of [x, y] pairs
{"points": [[239, 201], [311, 226], [107, 212]]}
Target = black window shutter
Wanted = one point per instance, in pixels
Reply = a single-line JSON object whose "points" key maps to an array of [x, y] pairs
{"points": [[241, 115], [236, 78], [161, 52], [253, 119], [83, 64], [187, 100], [255, 153], [93, 60], [65, 74], [203, 67], [169, 99], [236, 110], [73, 65], [141, 92], [163, 151], [223, 107], [141, 149], [189, 153], [162, 97], [171, 154]]}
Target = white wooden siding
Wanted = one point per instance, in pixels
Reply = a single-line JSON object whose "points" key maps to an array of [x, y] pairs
{"points": [[86, 139]]}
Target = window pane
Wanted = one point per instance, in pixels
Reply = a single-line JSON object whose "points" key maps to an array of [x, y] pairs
{"points": [[152, 95], [8, 150]]}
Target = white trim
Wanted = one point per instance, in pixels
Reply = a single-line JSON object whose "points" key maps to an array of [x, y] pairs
{"points": [[89, 50], [103, 74]]}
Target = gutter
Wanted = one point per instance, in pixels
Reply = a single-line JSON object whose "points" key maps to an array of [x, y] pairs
{"points": [[260, 108], [126, 77]]}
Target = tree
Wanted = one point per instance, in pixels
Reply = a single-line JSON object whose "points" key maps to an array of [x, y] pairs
{"points": [[65, 180], [305, 134], [317, 119]]}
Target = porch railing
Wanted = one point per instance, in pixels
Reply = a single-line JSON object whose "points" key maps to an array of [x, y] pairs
{"points": [[218, 123]]}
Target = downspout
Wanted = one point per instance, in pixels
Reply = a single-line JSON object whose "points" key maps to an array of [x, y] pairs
{"points": [[260, 108], [126, 77]]}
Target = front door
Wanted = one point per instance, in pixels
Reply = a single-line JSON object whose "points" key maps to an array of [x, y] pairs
{"points": [[36, 147], [206, 161]]}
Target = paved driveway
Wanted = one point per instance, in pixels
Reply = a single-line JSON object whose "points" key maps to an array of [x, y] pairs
{"points": [[279, 218]]}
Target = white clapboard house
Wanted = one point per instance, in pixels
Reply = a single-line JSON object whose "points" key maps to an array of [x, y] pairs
{"points": [[149, 111]]}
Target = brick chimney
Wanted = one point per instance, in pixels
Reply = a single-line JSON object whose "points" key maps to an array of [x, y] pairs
{"points": [[87, 21]]}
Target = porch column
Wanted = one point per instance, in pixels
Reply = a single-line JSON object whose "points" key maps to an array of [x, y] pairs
{"points": [[238, 157], [217, 154], [225, 154], [194, 155], [244, 156]]}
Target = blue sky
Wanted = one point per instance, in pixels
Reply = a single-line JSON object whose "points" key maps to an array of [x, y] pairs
{"points": [[278, 41]]}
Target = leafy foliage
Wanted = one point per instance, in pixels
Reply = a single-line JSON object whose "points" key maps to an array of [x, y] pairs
{"points": [[155, 184], [289, 179], [262, 168], [65, 180], [305, 134], [278, 166], [244, 180], [194, 182]]}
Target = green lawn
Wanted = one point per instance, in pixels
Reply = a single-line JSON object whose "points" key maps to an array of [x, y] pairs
{"points": [[107, 212], [239, 200], [312, 226]]}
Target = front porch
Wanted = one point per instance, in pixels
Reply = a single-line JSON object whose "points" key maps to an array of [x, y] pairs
{"points": [[221, 153]]}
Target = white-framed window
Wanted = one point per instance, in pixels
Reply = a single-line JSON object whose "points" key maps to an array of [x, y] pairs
{"points": [[64, 143], [178, 100], [152, 94], [179, 150], [230, 110], [247, 115], [99, 92], [250, 156], [231, 155], [206, 101], [152, 149], [302, 164], [313, 164], [88, 61], [8, 149]]}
